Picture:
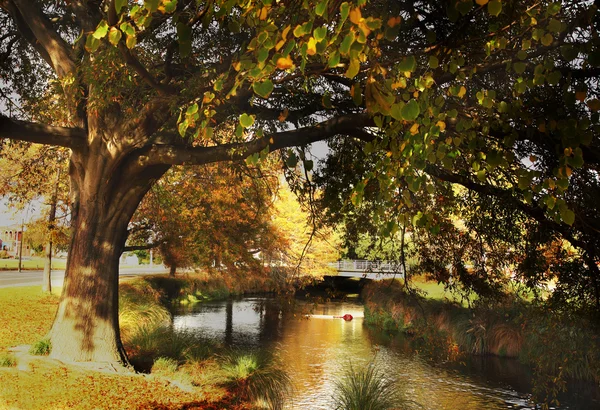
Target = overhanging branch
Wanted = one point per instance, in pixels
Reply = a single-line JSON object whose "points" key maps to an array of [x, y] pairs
{"points": [[74, 138], [352, 125]]}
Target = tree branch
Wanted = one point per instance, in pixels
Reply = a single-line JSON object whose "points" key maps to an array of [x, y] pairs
{"points": [[141, 247], [178, 155], [534, 212], [74, 138], [56, 48]]}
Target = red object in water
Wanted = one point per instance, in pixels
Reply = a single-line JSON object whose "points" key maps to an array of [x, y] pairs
{"points": [[347, 317]]}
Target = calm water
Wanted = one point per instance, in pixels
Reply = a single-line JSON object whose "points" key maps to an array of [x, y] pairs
{"points": [[316, 350]]}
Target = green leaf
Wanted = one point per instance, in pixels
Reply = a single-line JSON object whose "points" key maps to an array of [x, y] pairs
{"points": [[262, 55], [554, 26], [568, 52], [91, 43], [344, 11], [434, 62], [494, 7], [464, 6], [353, 68], [246, 120], [308, 165], [321, 7], [347, 43], [291, 161], [408, 64], [151, 5], [119, 4], [263, 89], [396, 111], [334, 59], [519, 67], [127, 29], [411, 110], [192, 109], [567, 215], [114, 36], [320, 33], [131, 41], [101, 30]]}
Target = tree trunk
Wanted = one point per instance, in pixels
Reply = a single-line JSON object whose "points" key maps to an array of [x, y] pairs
{"points": [[106, 190], [47, 278], [172, 270]]}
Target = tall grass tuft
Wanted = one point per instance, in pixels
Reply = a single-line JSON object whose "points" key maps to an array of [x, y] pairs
{"points": [[7, 360], [257, 377], [366, 388], [164, 365], [41, 348]]}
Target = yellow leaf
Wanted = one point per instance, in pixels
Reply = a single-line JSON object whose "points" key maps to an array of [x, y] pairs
{"points": [[394, 21], [441, 125], [285, 32], [462, 92], [414, 129], [279, 45], [237, 66], [263, 13], [312, 47], [283, 115], [568, 171], [355, 16], [416, 94], [283, 63], [388, 154], [271, 140], [481, 2]]}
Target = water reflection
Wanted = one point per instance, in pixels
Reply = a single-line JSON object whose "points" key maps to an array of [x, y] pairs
{"points": [[316, 350]]}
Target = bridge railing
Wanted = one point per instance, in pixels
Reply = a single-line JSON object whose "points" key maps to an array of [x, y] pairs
{"points": [[361, 265]]}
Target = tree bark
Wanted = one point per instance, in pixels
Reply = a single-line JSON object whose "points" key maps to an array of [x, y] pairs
{"points": [[107, 190], [172, 270], [47, 277]]}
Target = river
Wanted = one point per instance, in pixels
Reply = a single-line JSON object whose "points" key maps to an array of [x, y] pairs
{"points": [[317, 349]]}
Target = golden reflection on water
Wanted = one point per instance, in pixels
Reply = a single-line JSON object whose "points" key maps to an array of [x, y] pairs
{"points": [[316, 350]]}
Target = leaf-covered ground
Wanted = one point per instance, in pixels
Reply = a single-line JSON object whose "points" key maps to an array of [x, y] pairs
{"points": [[47, 384]]}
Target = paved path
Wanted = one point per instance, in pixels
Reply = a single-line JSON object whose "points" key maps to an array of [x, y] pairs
{"points": [[34, 277]]}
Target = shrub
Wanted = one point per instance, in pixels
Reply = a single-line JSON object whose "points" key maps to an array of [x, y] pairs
{"points": [[41, 348], [7, 361], [257, 378], [366, 388]]}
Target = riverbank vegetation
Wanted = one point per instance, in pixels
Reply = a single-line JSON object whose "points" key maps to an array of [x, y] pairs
{"points": [[559, 345]]}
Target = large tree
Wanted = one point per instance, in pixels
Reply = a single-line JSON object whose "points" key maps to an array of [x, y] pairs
{"points": [[424, 84]]}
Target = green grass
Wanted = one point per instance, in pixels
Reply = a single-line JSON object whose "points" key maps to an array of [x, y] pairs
{"points": [[7, 360], [30, 263], [41, 348]]}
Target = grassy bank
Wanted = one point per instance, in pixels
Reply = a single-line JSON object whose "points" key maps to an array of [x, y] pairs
{"points": [[184, 370], [558, 345]]}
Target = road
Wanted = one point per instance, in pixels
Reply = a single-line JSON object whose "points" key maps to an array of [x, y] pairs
{"points": [[34, 277]]}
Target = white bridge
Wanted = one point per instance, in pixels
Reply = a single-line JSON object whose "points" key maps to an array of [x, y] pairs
{"points": [[368, 269]]}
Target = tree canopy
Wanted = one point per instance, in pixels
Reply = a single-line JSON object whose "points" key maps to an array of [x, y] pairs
{"points": [[498, 96]]}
